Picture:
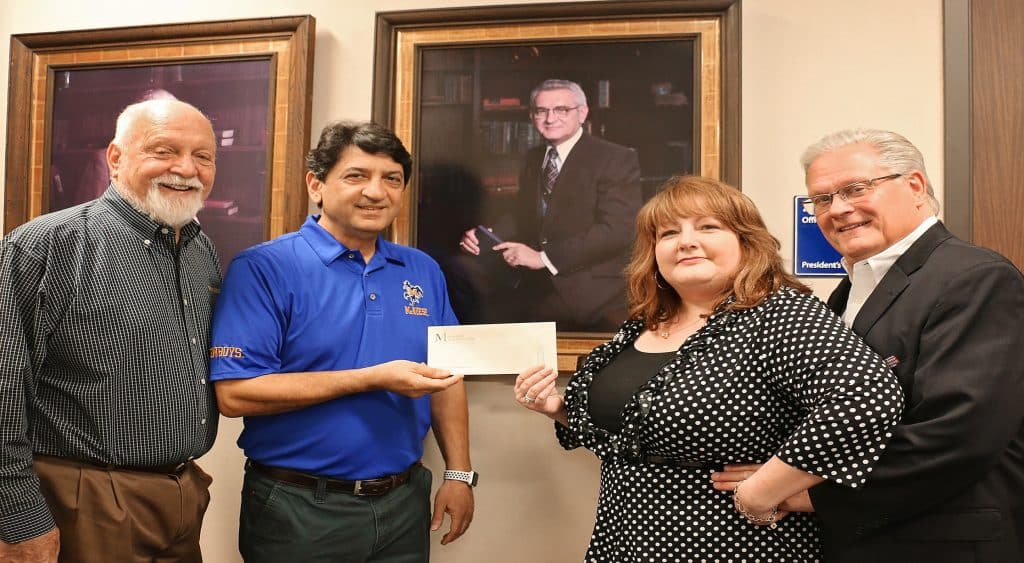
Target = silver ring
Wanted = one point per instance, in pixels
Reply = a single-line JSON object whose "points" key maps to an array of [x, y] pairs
{"points": [[528, 399]]}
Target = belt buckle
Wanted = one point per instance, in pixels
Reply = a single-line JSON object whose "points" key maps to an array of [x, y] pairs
{"points": [[358, 490]]}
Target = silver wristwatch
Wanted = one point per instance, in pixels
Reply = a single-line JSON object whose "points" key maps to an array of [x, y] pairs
{"points": [[468, 477]]}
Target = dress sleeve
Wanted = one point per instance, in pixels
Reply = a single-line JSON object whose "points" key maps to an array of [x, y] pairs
{"points": [[847, 398], [581, 431], [571, 438]]}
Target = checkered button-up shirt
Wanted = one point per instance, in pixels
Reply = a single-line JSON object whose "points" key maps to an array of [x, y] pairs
{"points": [[104, 332]]}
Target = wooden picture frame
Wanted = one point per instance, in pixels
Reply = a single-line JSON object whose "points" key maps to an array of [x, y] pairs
{"points": [[282, 128], [404, 92]]}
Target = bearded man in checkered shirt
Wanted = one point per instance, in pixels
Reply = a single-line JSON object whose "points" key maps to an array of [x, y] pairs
{"points": [[104, 332]]}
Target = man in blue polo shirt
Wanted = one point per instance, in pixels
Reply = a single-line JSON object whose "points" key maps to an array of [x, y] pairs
{"points": [[318, 341]]}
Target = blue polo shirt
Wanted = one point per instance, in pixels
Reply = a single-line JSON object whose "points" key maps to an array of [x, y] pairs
{"points": [[304, 302]]}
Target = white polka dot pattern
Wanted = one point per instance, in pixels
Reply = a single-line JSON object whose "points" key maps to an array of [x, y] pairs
{"points": [[785, 378]]}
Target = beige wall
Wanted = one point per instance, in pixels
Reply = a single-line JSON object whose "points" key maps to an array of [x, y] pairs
{"points": [[808, 67]]}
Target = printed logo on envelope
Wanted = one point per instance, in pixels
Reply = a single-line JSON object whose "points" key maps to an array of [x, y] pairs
{"points": [[412, 294]]}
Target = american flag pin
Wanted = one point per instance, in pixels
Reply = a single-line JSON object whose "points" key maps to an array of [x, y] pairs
{"points": [[892, 362]]}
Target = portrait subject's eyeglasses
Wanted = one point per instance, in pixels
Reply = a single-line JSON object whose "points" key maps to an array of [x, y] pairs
{"points": [[850, 192], [559, 111]]}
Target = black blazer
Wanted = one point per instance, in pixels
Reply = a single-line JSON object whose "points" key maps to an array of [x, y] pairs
{"points": [[588, 230], [950, 484]]}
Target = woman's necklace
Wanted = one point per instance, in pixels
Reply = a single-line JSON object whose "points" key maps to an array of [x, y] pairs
{"points": [[666, 332]]}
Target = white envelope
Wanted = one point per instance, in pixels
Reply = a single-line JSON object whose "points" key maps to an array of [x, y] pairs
{"points": [[487, 349]]}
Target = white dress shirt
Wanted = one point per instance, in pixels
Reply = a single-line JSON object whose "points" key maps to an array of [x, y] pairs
{"points": [[867, 274]]}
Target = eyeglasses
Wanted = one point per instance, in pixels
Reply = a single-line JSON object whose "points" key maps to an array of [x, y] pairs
{"points": [[561, 112], [850, 192]]}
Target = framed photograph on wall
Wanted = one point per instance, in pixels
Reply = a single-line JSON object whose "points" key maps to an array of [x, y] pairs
{"points": [[250, 77], [661, 78]]}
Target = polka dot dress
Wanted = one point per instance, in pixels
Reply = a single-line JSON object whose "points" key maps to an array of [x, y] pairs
{"points": [[785, 378]]}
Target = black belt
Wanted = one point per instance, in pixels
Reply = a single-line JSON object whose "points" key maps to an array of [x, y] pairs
{"points": [[661, 460], [174, 469], [363, 487]]}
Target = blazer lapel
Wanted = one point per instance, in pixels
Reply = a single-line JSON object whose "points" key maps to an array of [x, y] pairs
{"points": [[893, 284], [840, 295], [898, 278]]}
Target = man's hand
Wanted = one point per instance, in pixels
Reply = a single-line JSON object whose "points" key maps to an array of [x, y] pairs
{"points": [[469, 242], [40, 549], [456, 499], [411, 379], [518, 254]]}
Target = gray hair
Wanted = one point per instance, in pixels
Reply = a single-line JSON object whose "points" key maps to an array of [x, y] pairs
{"points": [[559, 84], [895, 152]]}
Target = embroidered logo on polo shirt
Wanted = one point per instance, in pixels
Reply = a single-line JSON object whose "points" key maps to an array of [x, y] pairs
{"points": [[225, 352], [412, 294]]}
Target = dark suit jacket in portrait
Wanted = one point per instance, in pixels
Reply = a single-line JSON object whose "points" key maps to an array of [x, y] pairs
{"points": [[950, 484], [587, 233]]}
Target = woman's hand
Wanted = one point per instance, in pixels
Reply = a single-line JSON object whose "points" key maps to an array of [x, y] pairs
{"points": [[731, 475], [800, 502], [535, 390]]}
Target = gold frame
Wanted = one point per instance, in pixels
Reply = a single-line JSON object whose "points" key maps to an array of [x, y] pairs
{"points": [[36, 57], [401, 36]]}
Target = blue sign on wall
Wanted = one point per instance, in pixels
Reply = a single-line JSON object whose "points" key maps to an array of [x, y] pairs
{"points": [[812, 254]]}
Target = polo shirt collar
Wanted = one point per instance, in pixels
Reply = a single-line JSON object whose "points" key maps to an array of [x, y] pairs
{"points": [[142, 223], [329, 249]]}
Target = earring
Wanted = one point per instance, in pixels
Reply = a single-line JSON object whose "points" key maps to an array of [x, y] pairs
{"points": [[657, 280]]}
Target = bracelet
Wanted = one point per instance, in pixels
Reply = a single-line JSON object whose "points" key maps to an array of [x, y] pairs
{"points": [[771, 520]]}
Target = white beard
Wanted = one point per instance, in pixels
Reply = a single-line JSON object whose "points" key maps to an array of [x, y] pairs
{"points": [[171, 211]]}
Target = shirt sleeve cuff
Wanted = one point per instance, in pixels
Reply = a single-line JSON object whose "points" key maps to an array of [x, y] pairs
{"points": [[565, 437], [27, 524], [547, 263]]}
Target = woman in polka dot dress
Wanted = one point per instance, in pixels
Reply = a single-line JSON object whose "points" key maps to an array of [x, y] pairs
{"points": [[727, 359]]}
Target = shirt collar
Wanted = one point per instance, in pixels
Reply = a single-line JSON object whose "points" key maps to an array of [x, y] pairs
{"points": [[330, 249], [566, 147], [880, 263], [141, 222]]}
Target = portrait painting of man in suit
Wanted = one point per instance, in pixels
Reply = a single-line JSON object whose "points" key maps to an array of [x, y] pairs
{"points": [[565, 245], [547, 151]]}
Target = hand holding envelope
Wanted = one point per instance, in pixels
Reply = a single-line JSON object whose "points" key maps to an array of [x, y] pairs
{"points": [[411, 379], [526, 349], [492, 348], [535, 390]]}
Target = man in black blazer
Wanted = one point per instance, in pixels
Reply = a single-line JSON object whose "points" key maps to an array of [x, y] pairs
{"points": [[573, 222], [946, 316]]}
